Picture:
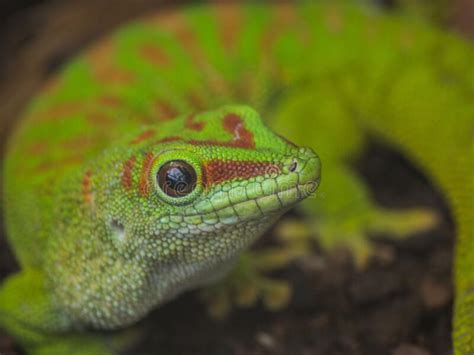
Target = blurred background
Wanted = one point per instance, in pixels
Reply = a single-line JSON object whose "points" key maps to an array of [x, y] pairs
{"points": [[370, 311], [36, 36]]}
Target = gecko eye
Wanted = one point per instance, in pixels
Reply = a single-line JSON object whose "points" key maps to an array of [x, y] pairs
{"points": [[177, 178]]}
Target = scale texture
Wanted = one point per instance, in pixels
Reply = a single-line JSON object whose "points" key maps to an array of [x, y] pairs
{"points": [[101, 239]]}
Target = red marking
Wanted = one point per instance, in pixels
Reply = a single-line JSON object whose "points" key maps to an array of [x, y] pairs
{"points": [[52, 165], [104, 68], [37, 148], [229, 19], [283, 17], [86, 187], [196, 101], [62, 110], [78, 143], [242, 137], [115, 75], [127, 171], [154, 55], [110, 101], [144, 186], [334, 20], [167, 111], [192, 124], [189, 41], [99, 118], [169, 139], [144, 136], [218, 171]]}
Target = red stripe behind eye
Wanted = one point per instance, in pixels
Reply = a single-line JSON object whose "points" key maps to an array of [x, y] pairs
{"points": [[218, 171], [144, 186], [127, 171]]}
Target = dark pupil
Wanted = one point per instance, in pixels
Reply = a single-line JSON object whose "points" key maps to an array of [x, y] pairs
{"points": [[177, 178]]}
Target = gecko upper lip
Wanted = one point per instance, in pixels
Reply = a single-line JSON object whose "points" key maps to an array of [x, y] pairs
{"points": [[283, 199], [312, 186]]}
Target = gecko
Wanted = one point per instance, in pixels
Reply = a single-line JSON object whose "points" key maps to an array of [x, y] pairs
{"points": [[151, 162]]}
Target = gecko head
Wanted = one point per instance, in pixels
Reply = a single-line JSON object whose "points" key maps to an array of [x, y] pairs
{"points": [[224, 198], [202, 197]]}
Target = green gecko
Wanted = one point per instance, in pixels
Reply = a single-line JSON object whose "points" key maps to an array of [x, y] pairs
{"points": [[143, 169]]}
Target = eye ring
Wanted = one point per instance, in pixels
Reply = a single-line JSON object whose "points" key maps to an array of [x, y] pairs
{"points": [[176, 178]]}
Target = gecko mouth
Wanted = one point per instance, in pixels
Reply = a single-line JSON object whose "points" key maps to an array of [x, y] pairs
{"points": [[263, 206]]}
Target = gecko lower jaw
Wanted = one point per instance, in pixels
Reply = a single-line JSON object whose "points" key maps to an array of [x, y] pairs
{"points": [[262, 206]]}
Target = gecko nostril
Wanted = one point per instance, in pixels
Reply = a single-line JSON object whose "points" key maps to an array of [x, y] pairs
{"points": [[293, 166]]}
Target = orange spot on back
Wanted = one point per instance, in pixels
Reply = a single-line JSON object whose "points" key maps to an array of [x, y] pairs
{"points": [[127, 171], [155, 55], [110, 101], [166, 110], [193, 125], [144, 185], [190, 43], [229, 20], [52, 165], [77, 143], [334, 20], [101, 57], [114, 75], [99, 118], [283, 18], [59, 111], [144, 136], [176, 24], [37, 147]]}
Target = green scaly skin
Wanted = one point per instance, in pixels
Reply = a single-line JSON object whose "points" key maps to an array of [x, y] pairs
{"points": [[99, 242]]}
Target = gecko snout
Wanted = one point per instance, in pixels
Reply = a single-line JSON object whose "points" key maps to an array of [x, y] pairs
{"points": [[308, 167]]}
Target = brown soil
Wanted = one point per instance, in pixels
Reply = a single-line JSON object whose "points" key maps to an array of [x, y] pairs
{"points": [[400, 304]]}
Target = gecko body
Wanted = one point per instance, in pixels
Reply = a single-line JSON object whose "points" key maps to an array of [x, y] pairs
{"points": [[143, 169]]}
